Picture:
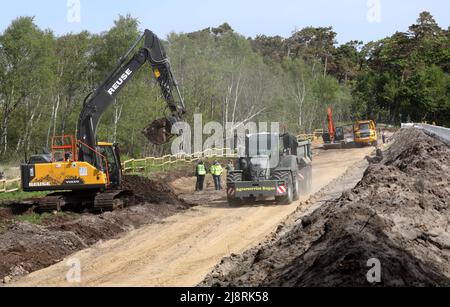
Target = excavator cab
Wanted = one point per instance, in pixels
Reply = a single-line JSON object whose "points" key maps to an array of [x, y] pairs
{"points": [[112, 156]]}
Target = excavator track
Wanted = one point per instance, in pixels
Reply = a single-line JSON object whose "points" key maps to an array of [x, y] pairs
{"points": [[111, 200], [52, 202], [98, 201], [60, 201]]}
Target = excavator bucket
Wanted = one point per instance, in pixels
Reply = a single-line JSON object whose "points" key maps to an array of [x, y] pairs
{"points": [[159, 132]]}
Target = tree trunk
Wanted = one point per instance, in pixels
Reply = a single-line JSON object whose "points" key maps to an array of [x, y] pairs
{"points": [[51, 123], [58, 100], [236, 97], [117, 115], [4, 134], [7, 111], [66, 113]]}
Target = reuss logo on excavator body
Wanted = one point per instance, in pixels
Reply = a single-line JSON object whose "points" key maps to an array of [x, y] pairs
{"points": [[119, 82]]}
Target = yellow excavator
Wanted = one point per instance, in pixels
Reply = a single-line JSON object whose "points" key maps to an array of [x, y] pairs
{"points": [[80, 171], [365, 133]]}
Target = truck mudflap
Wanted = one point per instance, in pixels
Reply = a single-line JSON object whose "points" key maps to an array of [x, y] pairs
{"points": [[269, 188]]}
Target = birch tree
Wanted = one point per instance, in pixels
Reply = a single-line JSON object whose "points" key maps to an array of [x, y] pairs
{"points": [[27, 55]]}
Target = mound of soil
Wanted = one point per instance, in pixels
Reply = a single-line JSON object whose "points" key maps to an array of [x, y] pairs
{"points": [[5, 213], [25, 247], [398, 214], [150, 191]]}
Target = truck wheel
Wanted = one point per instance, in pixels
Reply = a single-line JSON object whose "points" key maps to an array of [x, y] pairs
{"points": [[306, 183], [309, 180], [296, 191], [289, 198]]}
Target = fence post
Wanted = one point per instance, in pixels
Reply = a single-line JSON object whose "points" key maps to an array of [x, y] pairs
{"points": [[4, 185]]}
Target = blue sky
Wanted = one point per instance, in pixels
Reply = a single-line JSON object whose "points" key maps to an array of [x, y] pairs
{"points": [[248, 17]]}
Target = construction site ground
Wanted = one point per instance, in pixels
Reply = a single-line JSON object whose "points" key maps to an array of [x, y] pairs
{"points": [[149, 244], [395, 221], [393, 209]]}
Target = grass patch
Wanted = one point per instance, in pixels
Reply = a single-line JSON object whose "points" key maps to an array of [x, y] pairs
{"points": [[21, 195], [34, 218], [3, 226], [147, 168], [45, 218]]}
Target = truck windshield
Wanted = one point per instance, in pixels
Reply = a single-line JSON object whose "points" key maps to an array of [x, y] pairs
{"points": [[364, 127], [262, 145]]}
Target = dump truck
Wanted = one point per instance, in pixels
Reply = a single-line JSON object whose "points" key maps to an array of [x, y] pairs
{"points": [[276, 167], [365, 133]]}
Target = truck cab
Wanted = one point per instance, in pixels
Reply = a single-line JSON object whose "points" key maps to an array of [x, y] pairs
{"points": [[273, 167]]}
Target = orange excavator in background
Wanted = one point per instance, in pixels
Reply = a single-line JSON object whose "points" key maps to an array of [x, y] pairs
{"points": [[334, 137], [331, 127]]}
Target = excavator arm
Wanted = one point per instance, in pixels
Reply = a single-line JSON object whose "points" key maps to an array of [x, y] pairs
{"points": [[96, 103], [331, 127]]}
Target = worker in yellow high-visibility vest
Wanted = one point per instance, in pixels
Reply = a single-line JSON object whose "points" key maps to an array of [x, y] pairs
{"points": [[216, 171], [200, 172]]}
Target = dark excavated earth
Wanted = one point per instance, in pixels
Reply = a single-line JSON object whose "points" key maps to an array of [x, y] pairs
{"points": [[398, 214], [26, 247]]}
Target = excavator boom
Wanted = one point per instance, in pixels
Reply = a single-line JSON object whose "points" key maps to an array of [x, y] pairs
{"points": [[159, 132], [331, 127]]}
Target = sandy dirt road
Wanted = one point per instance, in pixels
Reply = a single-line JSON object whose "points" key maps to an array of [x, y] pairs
{"points": [[182, 249]]}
